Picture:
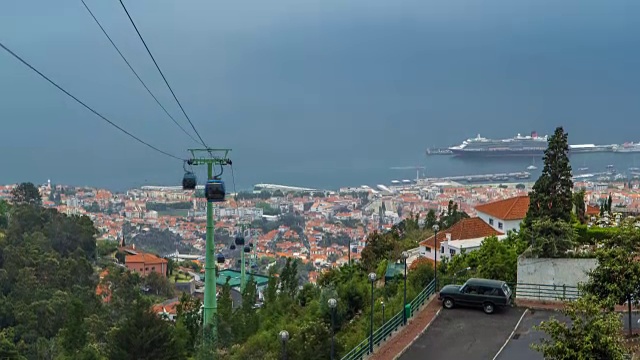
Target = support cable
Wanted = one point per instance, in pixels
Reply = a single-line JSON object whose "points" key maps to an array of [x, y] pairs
{"points": [[85, 105], [135, 73], [162, 74]]}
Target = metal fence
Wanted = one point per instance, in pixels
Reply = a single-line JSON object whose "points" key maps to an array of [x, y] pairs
{"points": [[545, 292], [392, 325]]}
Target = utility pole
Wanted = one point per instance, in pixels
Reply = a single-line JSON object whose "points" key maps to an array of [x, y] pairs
{"points": [[207, 157]]}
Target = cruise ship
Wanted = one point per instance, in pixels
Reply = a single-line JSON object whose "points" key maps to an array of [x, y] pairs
{"points": [[530, 145], [628, 147]]}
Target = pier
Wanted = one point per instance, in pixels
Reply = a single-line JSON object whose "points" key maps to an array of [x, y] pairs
{"points": [[521, 175]]}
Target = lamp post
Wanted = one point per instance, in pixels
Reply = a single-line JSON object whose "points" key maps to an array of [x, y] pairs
{"points": [[332, 305], [284, 337], [435, 253], [382, 302], [458, 272], [372, 278], [405, 256]]}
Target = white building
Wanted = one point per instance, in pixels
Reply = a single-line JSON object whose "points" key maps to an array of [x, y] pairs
{"points": [[504, 215]]}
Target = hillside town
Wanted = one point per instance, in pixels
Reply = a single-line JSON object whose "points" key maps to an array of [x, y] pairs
{"points": [[316, 228]]}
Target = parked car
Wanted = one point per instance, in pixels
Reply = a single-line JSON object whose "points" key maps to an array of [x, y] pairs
{"points": [[484, 293]]}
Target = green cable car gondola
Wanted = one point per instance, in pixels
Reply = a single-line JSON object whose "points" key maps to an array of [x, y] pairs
{"points": [[220, 258], [232, 247], [247, 249], [239, 239], [215, 190], [189, 180]]}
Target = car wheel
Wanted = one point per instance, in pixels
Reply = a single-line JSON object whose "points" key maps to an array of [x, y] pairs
{"points": [[488, 308], [447, 303]]}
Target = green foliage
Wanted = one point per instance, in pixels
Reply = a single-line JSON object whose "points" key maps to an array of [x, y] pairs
{"points": [[4, 214], [26, 194], [267, 209], [551, 196], [591, 334], [617, 276], [451, 216], [593, 235], [551, 238], [494, 259], [156, 206], [580, 205]]}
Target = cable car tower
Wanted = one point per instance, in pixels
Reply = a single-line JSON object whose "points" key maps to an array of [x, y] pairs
{"points": [[215, 192]]}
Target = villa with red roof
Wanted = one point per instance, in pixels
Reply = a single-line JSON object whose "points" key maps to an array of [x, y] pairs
{"points": [[504, 215], [466, 234]]}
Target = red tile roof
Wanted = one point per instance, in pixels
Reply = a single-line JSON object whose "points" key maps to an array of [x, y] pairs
{"points": [[514, 208], [592, 210], [470, 228], [147, 259]]}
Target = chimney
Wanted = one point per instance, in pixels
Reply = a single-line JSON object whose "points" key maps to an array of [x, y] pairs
{"points": [[133, 246], [448, 236]]}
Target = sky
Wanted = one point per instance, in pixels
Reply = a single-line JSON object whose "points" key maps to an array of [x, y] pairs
{"points": [[315, 93]]}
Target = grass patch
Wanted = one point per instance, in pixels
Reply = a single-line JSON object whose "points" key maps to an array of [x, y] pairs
{"points": [[180, 277]]}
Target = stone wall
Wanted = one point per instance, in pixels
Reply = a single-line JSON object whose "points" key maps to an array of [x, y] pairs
{"points": [[551, 279]]}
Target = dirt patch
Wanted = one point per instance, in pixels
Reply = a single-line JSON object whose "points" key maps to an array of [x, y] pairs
{"points": [[393, 348]]}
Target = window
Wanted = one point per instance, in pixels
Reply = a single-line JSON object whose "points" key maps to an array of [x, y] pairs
{"points": [[153, 268], [500, 225], [491, 222], [471, 289], [427, 249], [441, 249], [452, 251], [146, 269]]}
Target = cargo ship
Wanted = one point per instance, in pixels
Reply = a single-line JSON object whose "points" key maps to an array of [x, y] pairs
{"points": [[531, 145]]}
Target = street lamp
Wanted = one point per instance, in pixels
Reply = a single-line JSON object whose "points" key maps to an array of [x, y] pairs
{"points": [[382, 302], [372, 278], [405, 256], [284, 337], [435, 253], [458, 272], [332, 305]]}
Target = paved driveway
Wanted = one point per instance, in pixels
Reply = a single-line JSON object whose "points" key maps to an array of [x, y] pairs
{"points": [[519, 345], [467, 334]]}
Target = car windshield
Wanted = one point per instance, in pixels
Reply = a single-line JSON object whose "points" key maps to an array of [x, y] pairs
{"points": [[506, 289]]}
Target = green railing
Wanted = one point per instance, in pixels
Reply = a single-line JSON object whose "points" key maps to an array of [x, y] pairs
{"points": [[545, 292], [388, 328]]}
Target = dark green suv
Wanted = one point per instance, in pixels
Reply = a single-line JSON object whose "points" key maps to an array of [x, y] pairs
{"points": [[484, 293]]}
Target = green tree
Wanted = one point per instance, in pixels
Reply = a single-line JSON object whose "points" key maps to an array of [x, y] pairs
{"points": [[609, 203], [580, 205], [225, 317], [190, 317], [551, 196], [551, 238], [590, 334], [616, 279], [144, 335], [4, 214], [26, 194], [431, 219]]}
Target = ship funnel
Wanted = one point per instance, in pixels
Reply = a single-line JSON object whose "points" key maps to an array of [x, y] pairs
{"points": [[534, 134]]}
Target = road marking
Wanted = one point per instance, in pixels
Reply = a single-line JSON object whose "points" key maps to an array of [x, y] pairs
{"points": [[511, 335], [417, 336]]}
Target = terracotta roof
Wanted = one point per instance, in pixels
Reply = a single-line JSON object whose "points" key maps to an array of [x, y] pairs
{"points": [[514, 208], [592, 210], [148, 259], [470, 228]]}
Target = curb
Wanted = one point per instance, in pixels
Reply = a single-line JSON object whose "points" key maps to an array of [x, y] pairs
{"points": [[417, 336]]}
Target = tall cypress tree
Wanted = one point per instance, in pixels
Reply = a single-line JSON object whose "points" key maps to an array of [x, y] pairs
{"points": [[551, 196]]}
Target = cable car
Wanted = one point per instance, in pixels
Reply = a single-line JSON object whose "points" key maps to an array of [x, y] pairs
{"points": [[220, 258], [215, 190], [251, 244], [247, 249], [232, 247], [239, 240], [189, 181]]}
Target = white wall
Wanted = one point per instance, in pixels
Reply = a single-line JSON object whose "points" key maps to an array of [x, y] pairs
{"points": [[558, 272], [506, 224]]}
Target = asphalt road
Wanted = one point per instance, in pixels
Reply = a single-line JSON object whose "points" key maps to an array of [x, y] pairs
{"points": [[519, 345], [467, 334]]}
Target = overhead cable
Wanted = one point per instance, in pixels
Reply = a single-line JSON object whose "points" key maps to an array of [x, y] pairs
{"points": [[162, 74], [85, 105], [135, 73]]}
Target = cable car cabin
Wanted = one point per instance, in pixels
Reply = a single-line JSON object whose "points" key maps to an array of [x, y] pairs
{"points": [[220, 258], [251, 244], [189, 181], [247, 249], [239, 240], [215, 190], [232, 247]]}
